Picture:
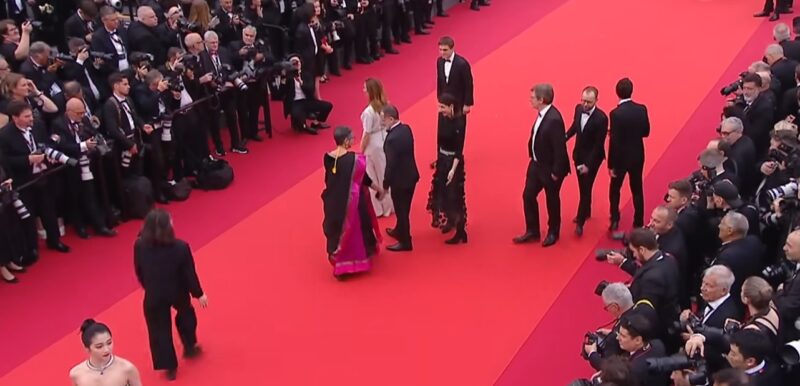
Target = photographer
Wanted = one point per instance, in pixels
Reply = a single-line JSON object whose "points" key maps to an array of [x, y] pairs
{"points": [[169, 32], [43, 71], [725, 199], [655, 275], [750, 351], [81, 24], [14, 248], [787, 298], [299, 102], [635, 338], [15, 42], [230, 22], [112, 41], [125, 126], [253, 60], [342, 27], [671, 241], [618, 302], [742, 152], [144, 36], [740, 252], [84, 70], [75, 137], [22, 155], [759, 113]]}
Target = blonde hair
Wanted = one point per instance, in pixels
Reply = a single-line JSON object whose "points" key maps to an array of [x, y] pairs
{"points": [[200, 13]]}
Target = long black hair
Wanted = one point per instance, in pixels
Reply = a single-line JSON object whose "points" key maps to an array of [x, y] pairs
{"points": [[89, 329], [157, 228]]}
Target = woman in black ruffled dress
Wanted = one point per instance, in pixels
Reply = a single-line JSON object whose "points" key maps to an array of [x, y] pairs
{"points": [[446, 200]]}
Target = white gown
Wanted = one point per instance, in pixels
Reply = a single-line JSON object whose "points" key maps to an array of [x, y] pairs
{"points": [[376, 159]]}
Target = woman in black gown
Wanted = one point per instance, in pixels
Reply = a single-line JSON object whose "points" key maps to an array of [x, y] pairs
{"points": [[446, 200], [14, 242], [350, 224]]}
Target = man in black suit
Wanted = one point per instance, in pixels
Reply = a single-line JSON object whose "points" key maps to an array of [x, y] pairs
{"points": [[230, 26], [549, 164], [41, 71], [759, 113], [250, 56], [788, 101], [787, 299], [718, 305], [401, 175], [589, 127], [630, 125], [751, 351], [82, 23], [454, 75], [299, 99], [111, 39], [219, 62], [671, 241], [21, 155], [655, 276], [84, 70], [143, 37], [783, 36], [306, 43], [122, 123], [781, 67], [76, 139], [636, 338], [741, 253], [742, 152]]}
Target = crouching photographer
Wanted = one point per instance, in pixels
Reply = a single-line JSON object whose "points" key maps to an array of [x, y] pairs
{"points": [[655, 277], [617, 301], [299, 100]]}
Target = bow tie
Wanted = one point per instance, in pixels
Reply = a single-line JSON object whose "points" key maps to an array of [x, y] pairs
{"points": [[448, 60], [587, 113], [113, 33]]}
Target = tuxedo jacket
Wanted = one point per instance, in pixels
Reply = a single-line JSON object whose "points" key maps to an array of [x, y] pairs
{"points": [[101, 42], [304, 46], [43, 79], [401, 166], [590, 142], [67, 142], [82, 73], [630, 125], [759, 118], [225, 57], [14, 151], [459, 83], [550, 144], [75, 27], [784, 70], [116, 123], [727, 310], [288, 91], [226, 30], [674, 244]]}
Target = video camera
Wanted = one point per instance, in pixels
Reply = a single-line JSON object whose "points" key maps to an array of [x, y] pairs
{"points": [[734, 86], [786, 154], [666, 365]]}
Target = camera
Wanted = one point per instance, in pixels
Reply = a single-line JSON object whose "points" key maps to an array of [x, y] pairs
{"points": [[102, 146], [692, 322], [62, 57], [101, 55], [9, 197], [36, 24], [601, 286], [117, 4], [252, 50], [138, 59], [238, 80], [779, 272], [174, 83], [602, 254], [55, 156], [667, 365], [188, 27], [593, 338], [733, 86], [785, 191]]}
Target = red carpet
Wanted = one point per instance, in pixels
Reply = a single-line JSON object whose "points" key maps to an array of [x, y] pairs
{"points": [[454, 315]]}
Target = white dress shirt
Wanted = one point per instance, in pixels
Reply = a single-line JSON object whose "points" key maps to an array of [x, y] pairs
{"points": [[536, 125], [585, 117], [448, 64], [711, 307]]}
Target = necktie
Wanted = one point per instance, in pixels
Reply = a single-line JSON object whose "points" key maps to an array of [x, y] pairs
{"points": [[29, 139], [75, 127], [217, 64]]}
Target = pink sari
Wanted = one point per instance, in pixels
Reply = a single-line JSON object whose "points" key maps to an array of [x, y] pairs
{"points": [[351, 255]]}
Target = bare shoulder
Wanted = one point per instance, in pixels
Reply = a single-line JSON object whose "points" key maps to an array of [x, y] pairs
{"points": [[76, 371], [125, 364]]}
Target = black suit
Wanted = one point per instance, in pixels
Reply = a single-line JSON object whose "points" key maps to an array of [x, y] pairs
{"points": [[76, 27], [640, 369], [744, 258], [791, 49], [674, 243], [46, 81], [630, 125], [716, 317], [743, 153], [784, 70], [759, 118], [307, 46], [39, 198], [168, 277], [590, 151], [547, 148], [401, 176], [458, 83], [788, 304], [656, 281], [81, 193], [146, 39], [102, 42], [228, 100]]}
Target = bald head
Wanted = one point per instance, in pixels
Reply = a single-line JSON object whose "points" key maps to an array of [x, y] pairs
{"points": [[147, 16], [75, 109], [193, 42]]}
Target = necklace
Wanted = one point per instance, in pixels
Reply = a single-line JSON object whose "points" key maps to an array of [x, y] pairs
{"points": [[102, 368], [337, 154]]}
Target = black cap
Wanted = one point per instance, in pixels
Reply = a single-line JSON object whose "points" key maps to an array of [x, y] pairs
{"points": [[728, 192]]}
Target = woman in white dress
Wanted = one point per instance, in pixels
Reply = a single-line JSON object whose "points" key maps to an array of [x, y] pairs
{"points": [[372, 143]]}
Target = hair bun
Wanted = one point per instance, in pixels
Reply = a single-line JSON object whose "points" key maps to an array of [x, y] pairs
{"points": [[86, 324]]}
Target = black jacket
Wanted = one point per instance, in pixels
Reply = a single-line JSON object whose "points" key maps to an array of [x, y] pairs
{"points": [[590, 143], [458, 84], [657, 281], [166, 273], [14, 151], [550, 144], [401, 166], [630, 125]]}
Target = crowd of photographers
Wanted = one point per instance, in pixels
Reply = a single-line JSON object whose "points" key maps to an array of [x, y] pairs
{"points": [[107, 106], [714, 294]]}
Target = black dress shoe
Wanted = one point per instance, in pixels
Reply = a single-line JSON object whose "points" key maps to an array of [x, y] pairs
{"points": [[474, 7], [105, 232], [192, 352], [399, 247], [390, 232], [775, 16], [321, 125], [256, 138], [761, 14], [421, 32], [82, 233], [392, 51], [442, 14], [58, 247], [579, 230], [614, 225], [550, 240], [172, 374], [460, 237], [526, 238]]}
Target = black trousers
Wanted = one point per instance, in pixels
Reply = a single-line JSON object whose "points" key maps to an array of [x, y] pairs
{"points": [[402, 24], [536, 180], [39, 200], [776, 5], [366, 39], [192, 134], [634, 173], [401, 197], [585, 184], [420, 7], [304, 108], [82, 203], [387, 23], [250, 102], [228, 105], [158, 317]]}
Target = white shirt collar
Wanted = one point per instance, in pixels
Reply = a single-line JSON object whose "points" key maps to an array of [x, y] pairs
{"points": [[621, 101], [544, 110], [589, 113], [716, 303], [756, 369], [452, 56]]}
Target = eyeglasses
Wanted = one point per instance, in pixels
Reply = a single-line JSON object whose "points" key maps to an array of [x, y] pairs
{"points": [[725, 133]]}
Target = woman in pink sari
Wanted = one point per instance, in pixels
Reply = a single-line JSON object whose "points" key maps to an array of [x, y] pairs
{"points": [[350, 224]]}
